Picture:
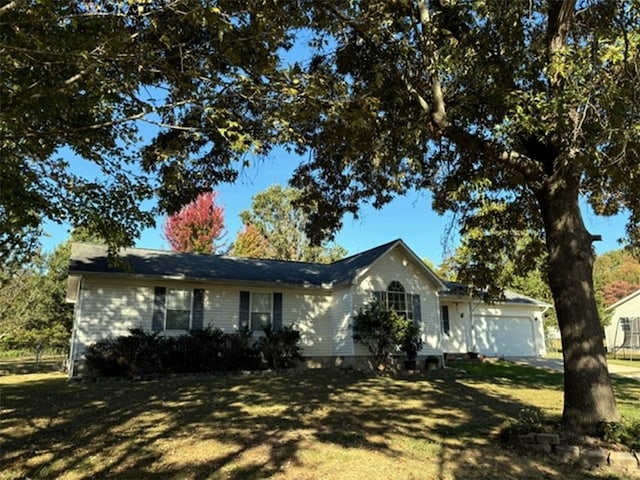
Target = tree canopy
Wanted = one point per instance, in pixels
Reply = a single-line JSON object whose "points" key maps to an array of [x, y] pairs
{"points": [[509, 112], [34, 315], [197, 227], [275, 228], [616, 275]]}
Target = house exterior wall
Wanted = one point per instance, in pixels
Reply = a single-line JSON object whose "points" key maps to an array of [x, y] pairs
{"points": [[399, 267], [342, 312], [311, 314], [629, 307], [109, 308], [459, 337]]}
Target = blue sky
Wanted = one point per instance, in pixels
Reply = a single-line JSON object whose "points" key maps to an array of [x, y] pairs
{"points": [[409, 217]]}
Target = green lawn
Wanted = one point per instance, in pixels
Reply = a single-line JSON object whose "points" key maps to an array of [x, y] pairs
{"points": [[318, 424]]}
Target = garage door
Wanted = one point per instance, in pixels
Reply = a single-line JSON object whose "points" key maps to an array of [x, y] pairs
{"points": [[504, 336]]}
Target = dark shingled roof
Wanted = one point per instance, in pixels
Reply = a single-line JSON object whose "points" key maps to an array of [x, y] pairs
{"points": [[93, 259], [88, 259], [455, 289]]}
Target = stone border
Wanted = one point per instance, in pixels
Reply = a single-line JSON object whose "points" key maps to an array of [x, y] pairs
{"points": [[589, 456]]}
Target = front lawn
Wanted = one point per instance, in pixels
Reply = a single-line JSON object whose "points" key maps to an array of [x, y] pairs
{"points": [[318, 424]]}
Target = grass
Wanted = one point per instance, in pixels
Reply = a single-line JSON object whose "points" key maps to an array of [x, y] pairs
{"points": [[317, 424]]}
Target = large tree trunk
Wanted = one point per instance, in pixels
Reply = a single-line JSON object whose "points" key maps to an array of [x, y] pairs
{"points": [[588, 394]]}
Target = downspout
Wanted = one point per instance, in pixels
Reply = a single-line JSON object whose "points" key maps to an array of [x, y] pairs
{"points": [[73, 348]]}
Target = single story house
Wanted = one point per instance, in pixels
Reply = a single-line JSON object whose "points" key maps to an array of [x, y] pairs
{"points": [[623, 332], [173, 292]]}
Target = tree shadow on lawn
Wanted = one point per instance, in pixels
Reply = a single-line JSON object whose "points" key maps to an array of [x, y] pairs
{"points": [[262, 426]]}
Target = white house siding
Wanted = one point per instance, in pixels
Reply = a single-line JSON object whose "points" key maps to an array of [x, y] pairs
{"points": [[342, 312], [310, 314], [110, 310], [627, 307], [458, 339], [221, 307], [399, 267]]}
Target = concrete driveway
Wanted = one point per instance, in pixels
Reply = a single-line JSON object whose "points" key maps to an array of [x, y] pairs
{"points": [[556, 364]]}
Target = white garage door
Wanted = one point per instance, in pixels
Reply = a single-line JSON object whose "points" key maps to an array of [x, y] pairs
{"points": [[504, 336]]}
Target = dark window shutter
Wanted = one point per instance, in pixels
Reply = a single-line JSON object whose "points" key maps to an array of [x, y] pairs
{"points": [[445, 319], [417, 311], [245, 302], [379, 296], [277, 311], [197, 315], [159, 305]]}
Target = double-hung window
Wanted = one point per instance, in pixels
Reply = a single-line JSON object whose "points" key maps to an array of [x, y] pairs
{"points": [[259, 310], [178, 309]]}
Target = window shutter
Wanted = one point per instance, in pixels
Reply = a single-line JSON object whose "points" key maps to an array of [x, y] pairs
{"points": [[197, 315], [277, 311], [417, 312], [243, 318], [159, 305], [379, 296], [445, 319]]}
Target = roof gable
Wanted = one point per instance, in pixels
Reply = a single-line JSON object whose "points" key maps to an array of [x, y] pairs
{"points": [[386, 249]]}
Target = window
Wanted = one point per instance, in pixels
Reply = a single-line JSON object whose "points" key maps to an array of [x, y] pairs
{"points": [[396, 298], [446, 328], [178, 309], [261, 311], [258, 310]]}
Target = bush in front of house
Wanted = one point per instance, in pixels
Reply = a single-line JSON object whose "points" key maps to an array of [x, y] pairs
{"points": [[383, 331], [207, 350], [138, 353], [280, 348], [240, 352], [198, 351]]}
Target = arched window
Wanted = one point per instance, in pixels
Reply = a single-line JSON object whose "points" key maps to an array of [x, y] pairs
{"points": [[396, 298]]}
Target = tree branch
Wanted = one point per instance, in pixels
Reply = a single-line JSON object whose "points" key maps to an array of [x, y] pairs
{"points": [[9, 6]]}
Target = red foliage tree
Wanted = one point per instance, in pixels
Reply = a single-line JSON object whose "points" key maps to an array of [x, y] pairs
{"points": [[617, 290], [197, 227]]}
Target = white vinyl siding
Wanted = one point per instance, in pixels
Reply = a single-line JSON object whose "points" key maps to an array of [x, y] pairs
{"points": [[341, 333], [110, 311], [625, 308], [311, 316]]}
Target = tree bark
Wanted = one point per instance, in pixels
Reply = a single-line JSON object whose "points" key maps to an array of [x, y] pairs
{"points": [[588, 394]]}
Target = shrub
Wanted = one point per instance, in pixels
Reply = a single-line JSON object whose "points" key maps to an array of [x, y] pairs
{"points": [[198, 351], [135, 354], [409, 339], [204, 350], [624, 433], [240, 352], [102, 359], [379, 329], [279, 348]]}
